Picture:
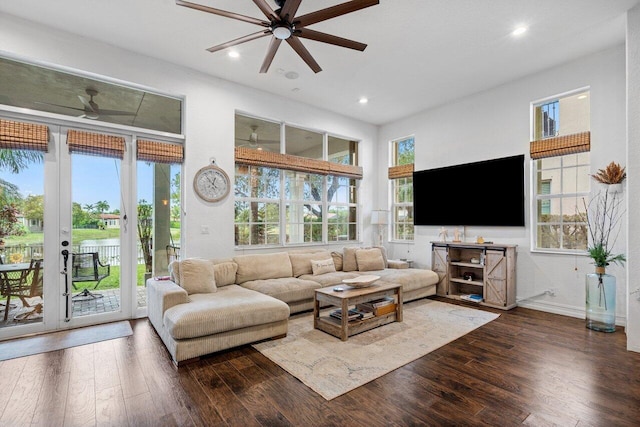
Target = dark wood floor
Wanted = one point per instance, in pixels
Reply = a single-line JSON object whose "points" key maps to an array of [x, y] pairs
{"points": [[526, 367]]}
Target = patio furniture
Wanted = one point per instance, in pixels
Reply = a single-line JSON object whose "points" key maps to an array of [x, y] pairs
{"points": [[173, 253], [86, 267], [23, 280]]}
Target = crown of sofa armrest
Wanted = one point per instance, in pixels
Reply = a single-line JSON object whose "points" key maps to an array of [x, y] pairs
{"points": [[161, 296]]}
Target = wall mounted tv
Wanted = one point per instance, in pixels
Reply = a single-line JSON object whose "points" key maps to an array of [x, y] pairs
{"points": [[486, 193]]}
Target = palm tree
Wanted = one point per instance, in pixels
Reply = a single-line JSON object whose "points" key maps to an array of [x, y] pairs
{"points": [[16, 160]]}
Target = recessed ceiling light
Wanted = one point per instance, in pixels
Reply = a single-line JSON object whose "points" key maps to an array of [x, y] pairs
{"points": [[233, 54], [363, 100], [519, 31], [292, 75]]}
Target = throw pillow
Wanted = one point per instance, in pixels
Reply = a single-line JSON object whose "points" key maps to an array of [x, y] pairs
{"points": [[337, 260], [197, 276], [369, 259], [300, 261], [323, 266], [225, 273], [349, 262]]}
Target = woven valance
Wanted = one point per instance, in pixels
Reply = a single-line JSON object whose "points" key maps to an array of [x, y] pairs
{"points": [[159, 152], [23, 136], [248, 156], [561, 145], [402, 171], [95, 144]]}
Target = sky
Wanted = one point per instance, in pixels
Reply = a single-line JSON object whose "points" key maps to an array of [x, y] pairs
{"points": [[93, 179]]}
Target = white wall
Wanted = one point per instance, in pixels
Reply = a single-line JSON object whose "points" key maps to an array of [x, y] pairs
{"points": [[496, 123], [633, 181], [209, 123]]}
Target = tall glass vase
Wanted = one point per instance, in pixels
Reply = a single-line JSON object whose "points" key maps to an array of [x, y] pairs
{"points": [[601, 301]]}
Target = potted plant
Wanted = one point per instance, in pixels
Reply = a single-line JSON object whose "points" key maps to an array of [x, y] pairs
{"points": [[603, 217]]}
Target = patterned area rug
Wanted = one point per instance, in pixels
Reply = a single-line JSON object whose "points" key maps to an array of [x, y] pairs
{"points": [[21, 347], [332, 367]]}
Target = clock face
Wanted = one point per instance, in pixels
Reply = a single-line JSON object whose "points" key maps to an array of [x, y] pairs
{"points": [[211, 183]]}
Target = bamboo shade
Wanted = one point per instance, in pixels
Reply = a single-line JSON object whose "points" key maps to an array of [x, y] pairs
{"points": [[95, 144], [159, 152], [23, 136], [402, 171], [561, 145], [248, 156]]}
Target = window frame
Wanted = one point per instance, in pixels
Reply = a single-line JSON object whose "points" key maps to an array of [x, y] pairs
{"points": [[562, 169], [395, 185]]}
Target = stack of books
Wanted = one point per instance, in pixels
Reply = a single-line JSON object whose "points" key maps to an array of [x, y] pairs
{"points": [[353, 314], [472, 297], [378, 307]]}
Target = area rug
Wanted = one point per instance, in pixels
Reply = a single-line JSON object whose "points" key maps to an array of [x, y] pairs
{"points": [[21, 347], [332, 367]]}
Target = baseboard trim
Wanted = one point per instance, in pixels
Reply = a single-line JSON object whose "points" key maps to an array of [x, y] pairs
{"points": [[563, 309]]}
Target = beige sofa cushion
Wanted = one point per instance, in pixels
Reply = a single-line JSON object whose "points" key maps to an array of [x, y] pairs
{"points": [[224, 271], [231, 308], [301, 262], [337, 260], [331, 279], [323, 266], [289, 289], [369, 259], [349, 262], [263, 266], [410, 278], [197, 276]]}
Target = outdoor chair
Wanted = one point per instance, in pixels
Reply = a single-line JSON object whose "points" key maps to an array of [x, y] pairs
{"points": [[86, 267], [26, 284], [173, 253]]}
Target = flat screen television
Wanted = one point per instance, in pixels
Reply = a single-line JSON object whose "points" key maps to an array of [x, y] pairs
{"points": [[486, 193]]}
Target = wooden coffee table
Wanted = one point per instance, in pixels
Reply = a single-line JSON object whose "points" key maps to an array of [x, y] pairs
{"points": [[348, 298]]}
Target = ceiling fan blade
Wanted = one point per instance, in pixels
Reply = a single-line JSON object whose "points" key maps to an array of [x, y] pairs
{"points": [[266, 9], [306, 33], [115, 113], [86, 103], [239, 40], [333, 11], [224, 13], [289, 9], [59, 105], [304, 54], [271, 52]]}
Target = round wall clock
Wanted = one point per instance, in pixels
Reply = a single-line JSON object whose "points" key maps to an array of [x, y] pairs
{"points": [[211, 183]]}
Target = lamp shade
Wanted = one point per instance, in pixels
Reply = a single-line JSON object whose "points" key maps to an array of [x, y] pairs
{"points": [[379, 217]]}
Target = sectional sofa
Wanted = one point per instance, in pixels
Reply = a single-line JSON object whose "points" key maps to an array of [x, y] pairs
{"points": [[210, 305]]}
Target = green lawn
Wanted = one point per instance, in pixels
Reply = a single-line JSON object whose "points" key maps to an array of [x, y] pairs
{"points": [[79, 235]]}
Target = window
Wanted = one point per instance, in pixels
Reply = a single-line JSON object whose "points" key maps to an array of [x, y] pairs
{"points": [[561, 167], [402, 188], [293, 195]]}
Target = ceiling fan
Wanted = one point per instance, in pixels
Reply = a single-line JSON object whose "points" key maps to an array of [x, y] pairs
{"points": [[254, 141], [282, 24], [90, 109]]}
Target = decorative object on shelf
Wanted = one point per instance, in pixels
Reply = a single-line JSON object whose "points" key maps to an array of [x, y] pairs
{"points": [[456, 235], [379, 219], [211, 183], [361, 281], [603, 215], [443, 234], [468, 275], [474, 260], [479, 240], [612, 175]]}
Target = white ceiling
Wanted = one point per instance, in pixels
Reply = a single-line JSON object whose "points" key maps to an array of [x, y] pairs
{"points": [[420, 54]]}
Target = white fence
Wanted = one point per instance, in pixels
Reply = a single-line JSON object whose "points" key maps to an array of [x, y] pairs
{"points": [[108, 254]]}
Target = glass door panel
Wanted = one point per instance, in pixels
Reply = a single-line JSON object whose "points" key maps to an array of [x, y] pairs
{"points": [[95, 266], [22, 293]]}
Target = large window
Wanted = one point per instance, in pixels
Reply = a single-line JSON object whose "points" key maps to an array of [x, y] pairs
{"points": [[402, 189], [291, 192], [561, 166]]}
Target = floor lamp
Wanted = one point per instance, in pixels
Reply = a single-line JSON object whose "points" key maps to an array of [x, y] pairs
{"points": [[379, 219]]}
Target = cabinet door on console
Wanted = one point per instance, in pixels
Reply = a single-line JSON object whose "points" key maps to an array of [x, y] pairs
{"points": [[439, 265], [495, 290]]}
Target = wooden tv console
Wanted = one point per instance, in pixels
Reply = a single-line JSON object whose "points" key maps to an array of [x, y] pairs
{"points": [[487, 270]]}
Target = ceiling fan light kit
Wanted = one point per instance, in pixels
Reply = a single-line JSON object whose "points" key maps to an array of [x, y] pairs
{"points": [[283, 24]]}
